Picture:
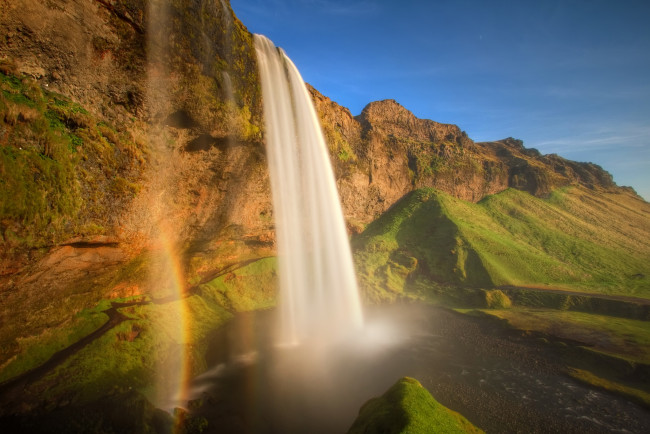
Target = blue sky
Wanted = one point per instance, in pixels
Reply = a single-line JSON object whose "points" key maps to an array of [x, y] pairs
{"points": [[570, 77]]}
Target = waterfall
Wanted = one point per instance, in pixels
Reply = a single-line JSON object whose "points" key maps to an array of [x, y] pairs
{"points": [[319, 298]]}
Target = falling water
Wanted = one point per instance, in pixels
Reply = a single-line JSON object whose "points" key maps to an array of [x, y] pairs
{"points": [[227, 17], [319, 296]]}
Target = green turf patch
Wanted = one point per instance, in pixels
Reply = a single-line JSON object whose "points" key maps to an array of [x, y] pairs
{"points": [[251, 287], [148, 352], [620, 337], [35, 350], [576, 239], [587, 377], [407, 407]]}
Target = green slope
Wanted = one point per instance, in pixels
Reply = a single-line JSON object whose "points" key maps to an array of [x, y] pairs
{"points": [[407, 407], [576, 239]]}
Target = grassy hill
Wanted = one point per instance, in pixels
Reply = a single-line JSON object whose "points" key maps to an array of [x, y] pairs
{"points": [[407, 407], [576, 239]]}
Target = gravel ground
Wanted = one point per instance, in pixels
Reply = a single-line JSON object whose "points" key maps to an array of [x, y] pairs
{"points": [[501, 382]]}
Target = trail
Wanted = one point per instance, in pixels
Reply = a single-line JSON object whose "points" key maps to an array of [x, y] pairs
{"points": [[15, 385], [624, 298]]}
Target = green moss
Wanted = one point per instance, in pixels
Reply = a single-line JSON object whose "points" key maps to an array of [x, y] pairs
{"points": [[407, 407], [251, 287], [56, 161], [155, 339], [35, 350], [496, 299], [337, 143]]}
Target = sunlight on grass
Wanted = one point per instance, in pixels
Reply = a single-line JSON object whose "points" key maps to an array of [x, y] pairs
{"points": [[576, 239], [626, 338], [589, 378]]}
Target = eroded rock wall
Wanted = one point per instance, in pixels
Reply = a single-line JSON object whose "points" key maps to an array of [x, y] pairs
{"points": [[385, 152]]}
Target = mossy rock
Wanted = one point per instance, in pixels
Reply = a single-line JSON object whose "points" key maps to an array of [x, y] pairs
{"points": [[407, 407], [497, 299]]}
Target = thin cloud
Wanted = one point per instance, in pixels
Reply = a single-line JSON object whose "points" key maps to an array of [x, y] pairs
{"points": [[560, 146], [595, 93], [342, 7], [333, 7], [600, 139]]}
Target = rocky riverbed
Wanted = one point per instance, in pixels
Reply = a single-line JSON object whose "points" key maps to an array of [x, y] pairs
{"points": [[502, 382]]}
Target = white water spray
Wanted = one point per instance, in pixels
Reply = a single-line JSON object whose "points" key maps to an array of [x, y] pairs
{"points": [[319, 298]]}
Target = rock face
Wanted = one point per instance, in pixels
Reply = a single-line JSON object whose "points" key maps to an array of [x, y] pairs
{"points": [[140, 122], [131, 121], [386, 151]]}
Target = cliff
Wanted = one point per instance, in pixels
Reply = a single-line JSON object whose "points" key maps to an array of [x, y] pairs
{"points": [[386, 152], [127, 130]]}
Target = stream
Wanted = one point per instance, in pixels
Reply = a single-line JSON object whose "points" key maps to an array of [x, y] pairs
{"points": [[500, 382]]}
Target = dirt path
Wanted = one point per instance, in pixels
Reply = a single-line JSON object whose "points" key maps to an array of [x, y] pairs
{"points": [[638, 300], [15, 385]]}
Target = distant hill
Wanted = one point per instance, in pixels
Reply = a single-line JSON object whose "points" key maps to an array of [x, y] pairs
{"points": [[576, 239]]}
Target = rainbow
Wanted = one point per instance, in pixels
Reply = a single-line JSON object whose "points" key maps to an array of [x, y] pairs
{"points": [[176, 313]]}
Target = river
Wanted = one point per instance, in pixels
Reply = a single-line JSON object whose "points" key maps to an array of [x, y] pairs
{"points": [[501, 382]]}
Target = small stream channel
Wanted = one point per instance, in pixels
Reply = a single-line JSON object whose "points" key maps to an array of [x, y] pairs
{"points": [[500, 382]]}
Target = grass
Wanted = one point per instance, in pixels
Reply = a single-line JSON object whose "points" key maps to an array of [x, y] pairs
{"points": [[65, 310], [587, 377], [580, 302], [35, 350], [407, 407], [619, 337], [576, 239], [156, 338], [389, 248], [134, 354], [251, 287]]}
